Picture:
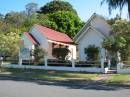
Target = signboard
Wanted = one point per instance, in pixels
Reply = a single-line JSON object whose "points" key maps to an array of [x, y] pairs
{"points": [[24, 53]]}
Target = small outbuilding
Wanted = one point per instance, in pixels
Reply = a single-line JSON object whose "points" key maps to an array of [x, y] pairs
{"points": [[48, 39]]}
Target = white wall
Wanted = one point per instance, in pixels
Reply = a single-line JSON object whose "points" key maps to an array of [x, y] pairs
{"points": [[72, 49], [27, 42], [91, 37], [40, 38], [50, 56]]}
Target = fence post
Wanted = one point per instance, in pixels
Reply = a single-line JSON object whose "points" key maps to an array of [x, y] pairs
{"points": [[109, 64], [73, 63], [102, 64], [20, 61], [45, 61], [20, 58], [1, 61], [118, 66]]}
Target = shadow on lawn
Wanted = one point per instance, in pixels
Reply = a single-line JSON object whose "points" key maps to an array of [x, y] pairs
{"points": [[83, 84], [72, 84]]}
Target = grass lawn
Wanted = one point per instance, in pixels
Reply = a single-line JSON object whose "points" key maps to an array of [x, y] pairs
{"points": [[119, 78], [48, 75], [63, 76]]}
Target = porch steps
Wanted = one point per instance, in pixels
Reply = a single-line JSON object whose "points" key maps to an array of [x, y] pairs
{"points": [[111, 71]]}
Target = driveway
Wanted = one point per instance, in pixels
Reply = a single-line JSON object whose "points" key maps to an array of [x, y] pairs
{"points": [[16, 87]]}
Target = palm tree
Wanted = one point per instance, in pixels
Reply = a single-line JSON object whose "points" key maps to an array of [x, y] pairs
{"points": [[114, 4]]}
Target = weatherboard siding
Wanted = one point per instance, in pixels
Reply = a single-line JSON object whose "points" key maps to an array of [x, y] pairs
{"points": [[27, 42], [40, 38], [101, 25], [90, 38]]}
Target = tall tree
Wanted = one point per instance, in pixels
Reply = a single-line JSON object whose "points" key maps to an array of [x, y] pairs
{"points": [[67, 22], [120, 39], [114, 4], [31, 8], [15, 18], [61, 17], [9, 44], [112, 20], [15, 21], [1, 17], [57, 5]]}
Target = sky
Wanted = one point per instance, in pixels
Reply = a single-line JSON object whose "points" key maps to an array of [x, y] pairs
{"points": [[84, 8]]}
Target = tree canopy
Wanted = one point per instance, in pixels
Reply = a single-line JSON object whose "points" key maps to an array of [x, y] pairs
{"points": [[92, 53], [31, 8], [55, 6], [119, 39], [9, 44], [61, 16], [114, 4], [66, 22]]}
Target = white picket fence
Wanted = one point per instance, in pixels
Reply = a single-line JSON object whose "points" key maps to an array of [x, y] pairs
{"points": [[92, 69], [79, 69], [121, 69]]}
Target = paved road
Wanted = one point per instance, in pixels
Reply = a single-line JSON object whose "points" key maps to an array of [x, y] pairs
{"points": [[27, 88]]}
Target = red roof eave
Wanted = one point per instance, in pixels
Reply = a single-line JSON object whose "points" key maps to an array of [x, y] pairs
{"points": [[30, 38]]}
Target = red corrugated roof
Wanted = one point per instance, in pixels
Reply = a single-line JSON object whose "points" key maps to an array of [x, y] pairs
{"points": [[53, 35], [30, 38]]}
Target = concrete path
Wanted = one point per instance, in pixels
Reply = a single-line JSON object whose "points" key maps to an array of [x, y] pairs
{"points": [[102, 77], [14, 87]]}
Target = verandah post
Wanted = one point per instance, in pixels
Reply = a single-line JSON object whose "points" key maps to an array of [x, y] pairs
{"points": [[102, 64], [73, 63], [20, 58], [45, 61]]}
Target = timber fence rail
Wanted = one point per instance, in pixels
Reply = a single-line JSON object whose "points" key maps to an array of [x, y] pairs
{"points": [[80, 66], [123, 67]]}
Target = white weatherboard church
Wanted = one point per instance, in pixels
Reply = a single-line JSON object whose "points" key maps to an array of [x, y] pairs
{"points": [[48, 39], [93, 33]]}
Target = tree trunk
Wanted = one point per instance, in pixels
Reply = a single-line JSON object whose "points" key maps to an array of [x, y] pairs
{"points": [[129, 9]]}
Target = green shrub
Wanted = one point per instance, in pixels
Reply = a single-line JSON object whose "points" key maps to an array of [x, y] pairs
{"points": [[39, 54], [60, 53], [92, 52]]}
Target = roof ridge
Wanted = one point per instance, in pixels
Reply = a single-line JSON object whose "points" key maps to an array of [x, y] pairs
{"points": [[30, 38], [89, 27], [51, 29], [88, 23], [53, 34], [34, 38]]}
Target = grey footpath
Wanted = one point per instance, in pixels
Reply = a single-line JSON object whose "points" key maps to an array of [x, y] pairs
{"points": [[18, 87]]}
